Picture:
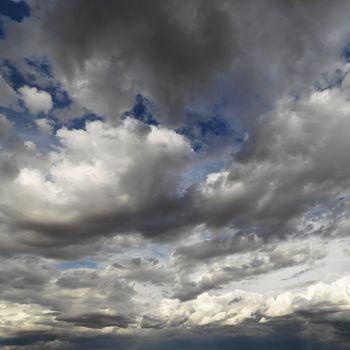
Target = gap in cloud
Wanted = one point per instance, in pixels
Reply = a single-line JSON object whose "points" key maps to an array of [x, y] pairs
{"points": [[60, 98], [22, 121], [198, 174], [321, 217], [206, 130], [27, 129], [41, 65], [346, 53], [80, 122], [142, 111], [13, 76], [80, 264], [215, 140], [17, 79], [15, 10]]}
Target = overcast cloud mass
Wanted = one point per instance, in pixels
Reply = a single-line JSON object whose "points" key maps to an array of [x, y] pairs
{"points": [[174, 174]]}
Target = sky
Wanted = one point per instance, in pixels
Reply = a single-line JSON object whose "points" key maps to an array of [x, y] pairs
{"points": [[174, 175]]}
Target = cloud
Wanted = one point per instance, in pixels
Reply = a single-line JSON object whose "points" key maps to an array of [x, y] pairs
{"points": [[250, 194], [49, 300], [165, 51], [36, 100], [294, 159], [235, 265], [138, 43], [8, 96], [152, 157], [97, 320], [198, 54], [213, 309], [320, 302], [114, 231], [15, 151], [44, 125]]}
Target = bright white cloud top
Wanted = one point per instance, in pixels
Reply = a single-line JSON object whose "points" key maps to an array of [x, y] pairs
{"points": [[35, 100]]}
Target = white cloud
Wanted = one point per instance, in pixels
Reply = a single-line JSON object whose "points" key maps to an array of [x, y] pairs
{"points": [[36, 100], [96, 170], [232, 308], [44, 125]]}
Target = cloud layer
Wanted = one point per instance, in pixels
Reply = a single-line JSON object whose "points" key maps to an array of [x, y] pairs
{"points": [[173, 173]]}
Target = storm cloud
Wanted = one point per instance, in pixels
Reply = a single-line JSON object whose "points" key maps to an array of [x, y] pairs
{"points": [[174, 174]]}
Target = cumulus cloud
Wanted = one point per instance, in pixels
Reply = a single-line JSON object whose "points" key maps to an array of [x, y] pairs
{"points": [[235, 307], [36, 100], [112, 229], [83, 190], [295, 158]]}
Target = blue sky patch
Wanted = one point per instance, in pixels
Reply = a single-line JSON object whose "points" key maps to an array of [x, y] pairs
{"points": [[21, 119], [60, 98], [41, 66], [142, 111], [17, 11], [199, 174], [80, 123], [204, 130], [346, 53], [80, 264], [27, 129], [16, 79], [13, 76]]}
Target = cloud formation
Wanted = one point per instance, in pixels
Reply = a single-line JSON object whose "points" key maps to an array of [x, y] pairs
{"points": [[35, 100], [174, 173], [195, 55]]}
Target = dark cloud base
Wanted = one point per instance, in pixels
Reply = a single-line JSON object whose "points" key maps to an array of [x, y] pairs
{"points": [[173, 342]]}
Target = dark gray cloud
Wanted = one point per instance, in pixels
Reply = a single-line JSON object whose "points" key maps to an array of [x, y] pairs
{"points": [[219, 246], [180, 56], [152, 322], [97, 320], [79, 279], [160, 47], [250, 336]]}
